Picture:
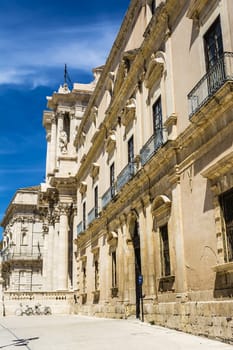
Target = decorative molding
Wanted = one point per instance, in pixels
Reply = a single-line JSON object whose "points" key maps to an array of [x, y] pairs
{"points": [[156, 68], [110, 142], [95, 168], [195, 8], [129, 112], [94, 114], [83, 187], [161, 210]]}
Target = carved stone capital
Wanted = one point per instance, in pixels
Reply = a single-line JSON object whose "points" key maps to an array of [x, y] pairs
{"points": [[64, 208]]}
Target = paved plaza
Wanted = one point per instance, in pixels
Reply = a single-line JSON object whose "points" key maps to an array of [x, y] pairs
{"points": [[88, 333]]}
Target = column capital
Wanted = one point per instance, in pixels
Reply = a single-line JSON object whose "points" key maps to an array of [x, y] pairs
{"points": [[64, 208]]}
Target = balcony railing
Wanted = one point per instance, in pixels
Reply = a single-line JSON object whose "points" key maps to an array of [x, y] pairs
{"points": [[151, 147], [21, 256], [125, 175], [108, 195], [80, 228], [91, 216], [211, 82]]}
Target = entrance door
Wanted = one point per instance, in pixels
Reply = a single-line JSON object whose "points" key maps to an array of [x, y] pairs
{"points": [[137, 254]]}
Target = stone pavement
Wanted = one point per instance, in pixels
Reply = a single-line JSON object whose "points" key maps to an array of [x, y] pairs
{"points": [[73, 332]]}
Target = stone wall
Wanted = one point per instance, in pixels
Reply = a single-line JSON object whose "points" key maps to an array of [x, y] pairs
{"points": [[210, 319], [59, 302]]}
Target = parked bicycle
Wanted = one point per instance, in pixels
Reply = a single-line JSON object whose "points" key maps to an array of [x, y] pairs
{"points": [[24, 310], [42, 310]]}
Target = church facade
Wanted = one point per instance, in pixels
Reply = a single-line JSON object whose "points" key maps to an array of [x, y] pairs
{"points": [[136, 210]]}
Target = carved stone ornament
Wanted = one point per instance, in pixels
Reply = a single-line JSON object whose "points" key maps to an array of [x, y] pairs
{"points": [[110, 142], [161, 210], [129, 112], [112, 238], [83, 187], [63, 142], [155, 68], [94, 114], [95, 168], [195, 8], [64, 208]]}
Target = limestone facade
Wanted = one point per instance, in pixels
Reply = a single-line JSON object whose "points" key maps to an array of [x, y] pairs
{"points": [[139, 190], [23, 243]]}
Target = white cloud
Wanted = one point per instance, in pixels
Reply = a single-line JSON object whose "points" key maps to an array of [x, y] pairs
{"points": [[24, 57]]}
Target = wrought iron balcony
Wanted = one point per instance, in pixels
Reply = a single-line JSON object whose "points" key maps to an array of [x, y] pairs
{"points": [[91, 216], [125, 175], [151, 147], [211, 82], [108, 195], [80, 228]]}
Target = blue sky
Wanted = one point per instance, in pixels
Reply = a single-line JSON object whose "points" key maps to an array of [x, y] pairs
{"points": [[36, 39]]}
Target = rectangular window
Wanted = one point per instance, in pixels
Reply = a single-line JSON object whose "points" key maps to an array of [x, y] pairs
{"points": [[112, 180], [84, 276], [157, 124], [114, 273], [84, 216], [131, 150], [165, 255], [226, 202], [96, 275], [213, 44], [96, 201], [153, 6]]}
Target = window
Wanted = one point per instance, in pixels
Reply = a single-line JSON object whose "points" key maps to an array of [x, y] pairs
{"points": [[165, 255], [96, 201], [112, 180], [84, 276], [130, 150], [226, 202], [153, 6], [84, 216], [96, 274], [158, 121], [114, 274], [66, 126], [213, 44]]}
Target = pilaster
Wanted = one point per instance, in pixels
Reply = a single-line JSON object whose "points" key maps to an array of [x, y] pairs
{"points": [[62, 277]]}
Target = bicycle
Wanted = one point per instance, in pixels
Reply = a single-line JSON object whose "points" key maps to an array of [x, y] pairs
{"points": [[24, 310]]}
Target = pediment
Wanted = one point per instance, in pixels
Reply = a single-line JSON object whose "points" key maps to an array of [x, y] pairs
{"points": [[196, 7], [155, 68], [124, 67], [129, 112]]}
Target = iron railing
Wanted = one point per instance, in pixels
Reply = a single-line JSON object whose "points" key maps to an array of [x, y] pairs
{"points": [[125, 175], [108, 196], [211, 82], [151, 147], [91, 216], [80, 228]]}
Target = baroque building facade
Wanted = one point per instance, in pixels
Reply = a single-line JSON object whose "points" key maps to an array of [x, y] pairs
{"points": [[137, 205]]}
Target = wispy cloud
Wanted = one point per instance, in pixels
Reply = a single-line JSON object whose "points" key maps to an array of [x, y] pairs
{"points": [[21, 171], [29, 56]]}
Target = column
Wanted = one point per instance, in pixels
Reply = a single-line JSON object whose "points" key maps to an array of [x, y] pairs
{"points": [[62, 267], [181, 282], [53, 152], [151, 288], [45, 257], [55, 257], [59, 129], [50, 252], [48, 152]]}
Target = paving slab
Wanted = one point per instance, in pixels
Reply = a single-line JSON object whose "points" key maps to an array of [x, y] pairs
{"points": [[71, 332]]}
